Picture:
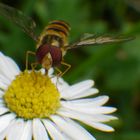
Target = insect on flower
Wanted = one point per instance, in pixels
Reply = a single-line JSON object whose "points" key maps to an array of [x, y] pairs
{"points": [[52, 44]]}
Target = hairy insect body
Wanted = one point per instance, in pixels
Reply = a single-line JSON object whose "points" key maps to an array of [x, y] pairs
{"points": [[51, 44]]}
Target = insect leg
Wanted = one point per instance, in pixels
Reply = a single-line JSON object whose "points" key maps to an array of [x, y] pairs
{"points": [[59, 72], [34, 65], [27, 57], [68, 67]]}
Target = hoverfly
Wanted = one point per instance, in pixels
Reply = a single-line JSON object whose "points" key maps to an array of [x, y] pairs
{"points": [[52, 44]]}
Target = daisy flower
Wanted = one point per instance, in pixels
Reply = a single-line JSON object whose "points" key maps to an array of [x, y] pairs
{"points": [[40, 107]]}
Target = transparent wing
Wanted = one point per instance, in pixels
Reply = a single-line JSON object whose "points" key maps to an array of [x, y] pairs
{"points": [[91, 39], [16, 16]]}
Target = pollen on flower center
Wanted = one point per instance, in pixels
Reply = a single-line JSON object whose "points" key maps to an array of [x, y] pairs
{"points": [[32, 95]]}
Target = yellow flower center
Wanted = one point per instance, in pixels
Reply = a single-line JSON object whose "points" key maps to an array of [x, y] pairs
{"points": [[32, 95]]}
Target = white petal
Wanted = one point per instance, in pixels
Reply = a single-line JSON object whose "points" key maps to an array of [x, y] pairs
{"points": [[72, 129], [53, 130], [76, 89], [89, 121], [27, 131], [5, 131], [54, 79], [86, 93], [13, 66], [93, 124], [3, 67], [1, 101], [100, 126], [60, 83], [39, 132], [88, 102], [5, 121], [89, 110], [5, 63], [50, 71], [1, 92], [2, 105], [83, 117], [3, 110], [3, 86], [42, 70], [3, 135], [4, 79], [16, 130]]}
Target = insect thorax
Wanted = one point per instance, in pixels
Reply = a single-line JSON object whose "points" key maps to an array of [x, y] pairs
{"points": [[56, 34]]}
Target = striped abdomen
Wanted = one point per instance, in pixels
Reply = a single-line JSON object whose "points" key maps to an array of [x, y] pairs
{"points": [[56, 34]]}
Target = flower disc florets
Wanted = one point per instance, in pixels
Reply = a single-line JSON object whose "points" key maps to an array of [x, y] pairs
{"points": [[32, 95]]}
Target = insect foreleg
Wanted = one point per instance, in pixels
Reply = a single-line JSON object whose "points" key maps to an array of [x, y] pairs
{"points": [[27, 57]]}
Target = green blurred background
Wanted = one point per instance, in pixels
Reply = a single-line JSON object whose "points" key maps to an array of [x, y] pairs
{"points": [[115, 68]]}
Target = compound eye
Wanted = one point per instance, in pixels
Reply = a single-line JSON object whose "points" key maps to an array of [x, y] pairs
{"points": [[42, 51], [56, 55]]}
